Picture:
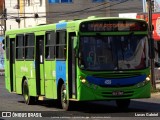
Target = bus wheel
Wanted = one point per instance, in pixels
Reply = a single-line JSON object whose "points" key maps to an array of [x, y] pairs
{"points": [[27, 98], [123, 104], [64, 101]]}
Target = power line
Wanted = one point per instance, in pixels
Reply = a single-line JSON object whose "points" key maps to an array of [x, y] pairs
{"points": [[73, 13], [113, 11], [77, 11]]}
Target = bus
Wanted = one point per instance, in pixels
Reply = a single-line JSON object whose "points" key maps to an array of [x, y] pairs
{"points": [[92, 59]]}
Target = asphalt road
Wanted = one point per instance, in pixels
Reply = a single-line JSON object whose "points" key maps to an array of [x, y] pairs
{"points": [[86, 110]]}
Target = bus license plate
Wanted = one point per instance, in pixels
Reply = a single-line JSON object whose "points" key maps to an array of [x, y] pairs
{"points": [[117, 93]]}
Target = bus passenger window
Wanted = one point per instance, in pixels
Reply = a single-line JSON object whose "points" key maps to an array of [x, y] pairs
{"points": [[61, 45], [50, 45], [19, 47], [29, 46]]}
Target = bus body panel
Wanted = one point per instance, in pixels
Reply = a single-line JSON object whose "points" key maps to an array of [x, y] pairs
{"points": [[32, 87], [20, 68], [42, 81], [50, 79], [7, 74], [101, 93], [28, 71]]}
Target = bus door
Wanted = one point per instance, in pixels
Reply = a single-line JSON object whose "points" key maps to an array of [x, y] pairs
{"points": [[12, 65], [72, 67], [50, 65], [39, 62]]}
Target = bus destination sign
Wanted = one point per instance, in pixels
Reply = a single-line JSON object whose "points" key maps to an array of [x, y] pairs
{"points": [[115, 25]]}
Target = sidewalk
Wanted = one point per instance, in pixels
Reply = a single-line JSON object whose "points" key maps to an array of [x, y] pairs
{"points": [[155, 95]]}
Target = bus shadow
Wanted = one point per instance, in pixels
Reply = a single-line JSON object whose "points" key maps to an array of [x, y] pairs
{"points": [[45, 103], [104, 106]]}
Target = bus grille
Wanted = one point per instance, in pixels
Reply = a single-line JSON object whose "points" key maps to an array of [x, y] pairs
{"points": [[125, 94], [117, 75]]}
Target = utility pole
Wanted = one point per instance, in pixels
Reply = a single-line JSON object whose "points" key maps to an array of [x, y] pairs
{"points": [[4, 15], [24, 7], [151, 43]]}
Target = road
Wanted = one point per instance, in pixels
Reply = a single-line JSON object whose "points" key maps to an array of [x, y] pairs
{"points": [[106, 109]]}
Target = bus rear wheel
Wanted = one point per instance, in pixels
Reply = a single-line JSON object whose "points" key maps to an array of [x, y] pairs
{"points": [[27, 98], [123, 104], [63, 98]]}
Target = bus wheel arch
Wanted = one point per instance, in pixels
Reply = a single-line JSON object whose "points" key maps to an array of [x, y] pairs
{"points": [[62, 95], [25, 92], [60, 83], [23, 79]]}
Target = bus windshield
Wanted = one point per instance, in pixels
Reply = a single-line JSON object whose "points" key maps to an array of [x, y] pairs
{"points": [[113, 52]]}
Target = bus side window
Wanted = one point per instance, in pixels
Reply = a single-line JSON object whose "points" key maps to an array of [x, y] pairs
{"points": [[20, 47], [29, 46], [61, 45], [50, 45]]}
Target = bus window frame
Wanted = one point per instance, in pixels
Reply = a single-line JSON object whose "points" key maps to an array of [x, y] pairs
{"points": [[27, 47], [18, 47], [49, 46], [60, 45]]}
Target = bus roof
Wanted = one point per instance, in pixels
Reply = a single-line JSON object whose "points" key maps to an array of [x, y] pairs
{"points": [[62, 24]]}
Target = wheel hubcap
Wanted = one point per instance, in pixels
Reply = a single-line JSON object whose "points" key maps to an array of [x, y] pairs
{"points": [[26, 93], [64, 96]]}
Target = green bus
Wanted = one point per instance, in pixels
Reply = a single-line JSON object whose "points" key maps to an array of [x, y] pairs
{"points": [[92, 59]]}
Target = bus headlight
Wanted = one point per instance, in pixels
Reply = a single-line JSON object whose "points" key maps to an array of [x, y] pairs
{"points": [[83, 80], [86, 83], [148, 79], [143, 82]]}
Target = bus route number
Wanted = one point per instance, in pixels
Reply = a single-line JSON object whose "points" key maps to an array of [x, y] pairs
{"points": [[108, 82]]}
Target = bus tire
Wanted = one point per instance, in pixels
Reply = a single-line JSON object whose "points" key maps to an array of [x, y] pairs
{"points": [[123, 104], [27, 98], [63, 98]]}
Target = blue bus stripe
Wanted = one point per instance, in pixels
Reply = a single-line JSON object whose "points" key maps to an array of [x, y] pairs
{"points": [[60, 71], [116, 82]]}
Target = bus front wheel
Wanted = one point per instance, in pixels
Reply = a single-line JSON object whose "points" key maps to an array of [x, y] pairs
{"points": [[27, 98], [123, 104]]}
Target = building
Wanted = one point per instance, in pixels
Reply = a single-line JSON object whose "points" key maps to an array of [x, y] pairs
{"points": [[57, 10], [1, 17], [25, 13], [33, 11]]}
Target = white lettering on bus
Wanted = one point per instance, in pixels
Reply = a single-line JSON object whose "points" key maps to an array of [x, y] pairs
{"points": [[54, 73], [24, 69]]}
